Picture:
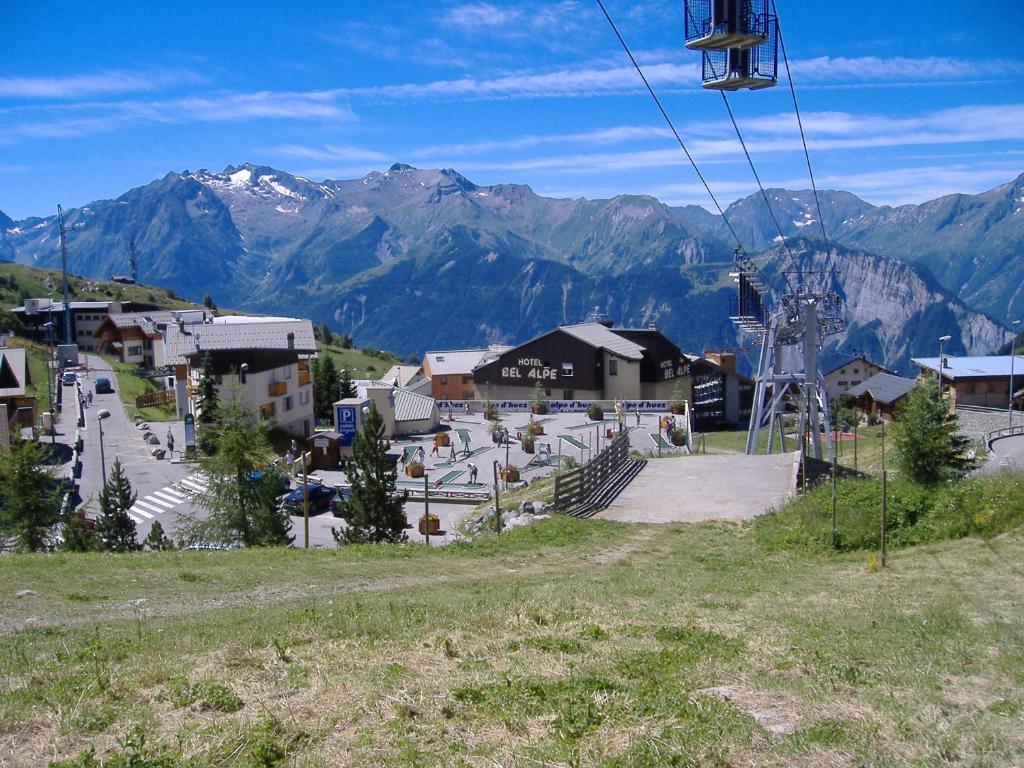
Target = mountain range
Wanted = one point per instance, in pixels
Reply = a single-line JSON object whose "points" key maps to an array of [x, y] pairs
{"points": [[411, 259]]}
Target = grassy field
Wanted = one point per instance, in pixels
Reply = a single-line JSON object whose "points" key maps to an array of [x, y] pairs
{"points": [[361, 365], [130, 385], [565, 643]]}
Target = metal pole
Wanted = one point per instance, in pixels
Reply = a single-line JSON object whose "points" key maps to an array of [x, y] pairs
{"points": [[49, 382], [426, 508], [1013, 359], [497, 503], [305, 502], [884, 477], [103, 460], [834, 461], [855, 442]]}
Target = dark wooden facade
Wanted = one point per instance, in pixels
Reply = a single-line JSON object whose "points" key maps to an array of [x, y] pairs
{"points": [[544, 359]]}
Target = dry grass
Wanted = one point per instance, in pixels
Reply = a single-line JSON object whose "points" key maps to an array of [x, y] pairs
{"points": [[575, 643]]}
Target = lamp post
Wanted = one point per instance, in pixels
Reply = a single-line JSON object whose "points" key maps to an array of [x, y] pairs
{"points": [[942, 340], [100, 416], [49, 377], [242, 370], [1013, 358]]}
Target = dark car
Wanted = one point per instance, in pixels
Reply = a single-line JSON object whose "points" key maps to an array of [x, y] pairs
{"points": [[344, 494], [69, 377], [281, 481], [319, 499], [103, 387]]}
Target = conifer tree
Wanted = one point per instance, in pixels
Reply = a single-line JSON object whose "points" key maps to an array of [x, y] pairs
{"points": [[114, 526], [929, 447], [325, 334], [156, 541], [207, 403], [76, 535], [29, 498], [325, 387], [375, 511], [347, 387]]}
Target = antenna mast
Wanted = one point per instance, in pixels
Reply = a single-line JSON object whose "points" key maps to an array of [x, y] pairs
{"points": [[64, 275]]}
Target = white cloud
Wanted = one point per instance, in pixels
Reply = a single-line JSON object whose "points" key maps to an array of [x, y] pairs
{"points": [[96, 84], [331, 152]]}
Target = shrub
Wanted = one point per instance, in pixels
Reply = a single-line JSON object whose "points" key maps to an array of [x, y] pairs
{"points": [[595, 412]]}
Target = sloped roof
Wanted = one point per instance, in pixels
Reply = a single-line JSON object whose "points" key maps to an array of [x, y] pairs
{"points": [[258, 333], [602, 337], [455, 361], [833, 361], [12, 372], [404, 374], [973, 367], [410, 406], [884, 388]]}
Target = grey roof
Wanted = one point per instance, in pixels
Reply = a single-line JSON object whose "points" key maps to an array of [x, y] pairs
{"points": [[13, 358], [454, 361], [147, 321], [410, 406], [993, 366], [404, 374], [601, 336], [833, 361], [884, 388], [259, 333]]}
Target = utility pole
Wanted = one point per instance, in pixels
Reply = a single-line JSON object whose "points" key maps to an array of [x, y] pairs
{"points": [[426, 508], [497, 505], [834, 460], [68, 339], [305, 501]]}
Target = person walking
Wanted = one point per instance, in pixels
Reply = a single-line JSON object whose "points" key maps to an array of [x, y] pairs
{"points": [[472, 472], [638, 418], [435, 450], [452, 457], [170, 442], [421, 455]]}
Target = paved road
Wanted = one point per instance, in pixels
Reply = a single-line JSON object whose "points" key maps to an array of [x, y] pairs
{"points": [[695, 488], [160, 484], [1007, 454]]}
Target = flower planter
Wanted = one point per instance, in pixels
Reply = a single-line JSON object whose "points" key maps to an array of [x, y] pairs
{"points": [[536, 429], [414, 470], [527, 446], [538, 409], [678, 438], [429, 525], [677, 409], [442, 440], [510, 475]]}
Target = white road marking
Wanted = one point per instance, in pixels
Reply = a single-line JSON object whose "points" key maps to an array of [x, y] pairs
{"points": [[161, 494], [139, 511], [159, 502], [141, 505], [171, 493], [189, 483], [134, 518]]}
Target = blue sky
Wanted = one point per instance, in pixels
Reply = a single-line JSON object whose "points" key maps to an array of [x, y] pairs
{"points": [[903, 101]]}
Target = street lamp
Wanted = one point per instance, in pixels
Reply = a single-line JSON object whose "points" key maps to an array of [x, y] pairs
{"points": [[1013, 358], [942, 340], [49, 377], [100, 416], [242, 370]]}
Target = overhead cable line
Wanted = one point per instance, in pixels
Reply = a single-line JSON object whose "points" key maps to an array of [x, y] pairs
{"points": [[664, 114]]}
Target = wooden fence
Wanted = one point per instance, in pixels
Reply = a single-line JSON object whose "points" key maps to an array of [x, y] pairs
{"points": [[577, 485], [160, 397]]}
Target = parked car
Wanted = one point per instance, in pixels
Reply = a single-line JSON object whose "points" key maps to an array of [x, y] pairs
{"points": [[319, 499], [69, 377], [281, 481], [103, 387], [344, 494]]}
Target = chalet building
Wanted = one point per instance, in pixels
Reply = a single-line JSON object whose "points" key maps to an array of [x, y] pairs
{"points": [[86, 318], [977, 381], [721, 396], [408, 377], [262, 360], [19, 407], [451, 371], [881, 394], [844, 372], [137, 337]]}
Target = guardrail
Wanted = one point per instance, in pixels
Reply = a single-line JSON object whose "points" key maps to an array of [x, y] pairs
{"points": [[1017, 429], [576, 485], [160, 397]]}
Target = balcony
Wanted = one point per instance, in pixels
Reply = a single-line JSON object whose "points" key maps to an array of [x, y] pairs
{"points": [[277, 388], [304, 377]]}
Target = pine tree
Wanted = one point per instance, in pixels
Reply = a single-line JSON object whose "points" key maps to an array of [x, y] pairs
{"points": [[156, 541], [114, 526], [207, 403], [376, 510], [241, 508], [346, 386], [76, 536], [325, 386], [929, 447], [325, 334], [29, 498]]}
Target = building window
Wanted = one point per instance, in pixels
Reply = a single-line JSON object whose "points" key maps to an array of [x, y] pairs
{"points": [[304, 396], [267, 411], [467, 395], [137, 350], [856, 370], [567, 370], [568, 394], [288, 403], [844, 383], [287, 371], [467, 379], [613, 367], [444, 380]]}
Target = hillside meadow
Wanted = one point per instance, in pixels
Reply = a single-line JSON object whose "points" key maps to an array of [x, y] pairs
{"points": [[567, 643]]}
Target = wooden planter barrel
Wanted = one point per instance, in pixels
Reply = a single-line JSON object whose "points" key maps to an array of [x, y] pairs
{"points": [[527, 446], [429, 525], [510, 475], [414, 470], [442, 440], [536, 429]]}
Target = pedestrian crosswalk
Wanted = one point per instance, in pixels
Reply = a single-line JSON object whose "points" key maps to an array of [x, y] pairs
{"points": [[158, 502]]}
